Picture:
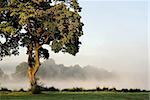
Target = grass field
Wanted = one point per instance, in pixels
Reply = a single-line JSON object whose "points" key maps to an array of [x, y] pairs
{"points": [[75, 96]]}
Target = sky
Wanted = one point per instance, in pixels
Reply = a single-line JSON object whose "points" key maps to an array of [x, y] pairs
{"points": [[148, 43], [115, 38]]}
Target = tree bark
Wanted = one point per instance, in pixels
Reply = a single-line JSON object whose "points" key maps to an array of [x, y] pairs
{"points": [[33, 68], [30, 68]]}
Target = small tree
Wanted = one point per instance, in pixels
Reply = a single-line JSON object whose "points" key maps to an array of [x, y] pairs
{"points": [[33, 23]]}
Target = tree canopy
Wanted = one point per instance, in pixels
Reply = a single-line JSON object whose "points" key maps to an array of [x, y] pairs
{"points": [[33, 23]]}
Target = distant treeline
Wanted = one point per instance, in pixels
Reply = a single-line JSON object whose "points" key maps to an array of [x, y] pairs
{"points": [[102, 89], [77, 89]]}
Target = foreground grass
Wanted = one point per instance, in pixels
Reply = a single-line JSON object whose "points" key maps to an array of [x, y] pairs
{"points": [[74, 96]]}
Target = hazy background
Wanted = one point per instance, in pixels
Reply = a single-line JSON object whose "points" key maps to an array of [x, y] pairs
{"points": [[115, 38]]}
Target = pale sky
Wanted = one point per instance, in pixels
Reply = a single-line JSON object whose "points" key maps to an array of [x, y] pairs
{"points": [[115, 37]]}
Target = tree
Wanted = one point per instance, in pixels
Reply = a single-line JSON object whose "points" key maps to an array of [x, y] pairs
{"points": [[34, 23]]}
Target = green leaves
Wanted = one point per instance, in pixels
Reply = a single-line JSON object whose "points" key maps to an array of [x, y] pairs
{"points": [[75, 6], [72, 49], [56, 23], [43, 53], [9, 47], [7, 28], [56, 46]]}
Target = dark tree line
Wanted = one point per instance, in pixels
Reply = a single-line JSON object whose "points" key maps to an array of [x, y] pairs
{"points": [[78, 89]]}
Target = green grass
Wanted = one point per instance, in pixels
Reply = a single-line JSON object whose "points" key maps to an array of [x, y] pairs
{"points": [[75, 96]]}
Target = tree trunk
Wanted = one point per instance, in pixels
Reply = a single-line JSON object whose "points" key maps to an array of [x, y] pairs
{"points": [[32, 70], [32, 78]]}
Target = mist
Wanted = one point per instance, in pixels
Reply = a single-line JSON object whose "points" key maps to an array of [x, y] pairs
{"points": [[61, 76]]}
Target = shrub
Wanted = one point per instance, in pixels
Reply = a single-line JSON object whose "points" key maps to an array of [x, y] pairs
{"points": [[35, 89], [113, 89], [105, 89], [98, 89], [5, 89], [53, 89], [73, 90], [21, 90]]}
